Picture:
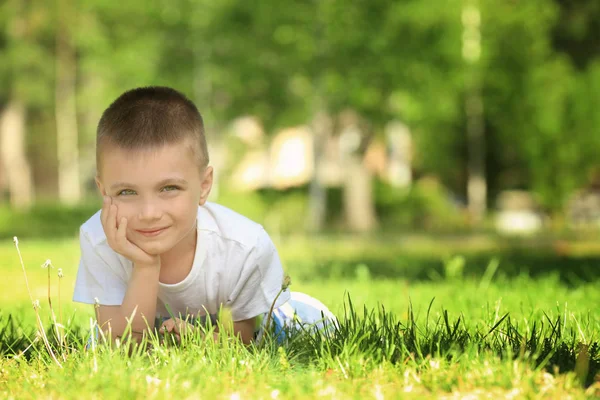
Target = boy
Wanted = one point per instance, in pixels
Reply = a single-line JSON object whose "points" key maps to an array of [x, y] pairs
{"points": [[157, 246]]}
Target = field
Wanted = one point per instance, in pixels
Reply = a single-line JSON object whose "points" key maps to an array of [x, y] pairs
{"points": [[417, 320]]}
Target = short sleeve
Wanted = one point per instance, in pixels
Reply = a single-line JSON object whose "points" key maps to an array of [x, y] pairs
{"points": [[259, 282], [96, 278]]}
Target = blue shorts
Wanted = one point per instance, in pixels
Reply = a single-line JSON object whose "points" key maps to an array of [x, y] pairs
{"points": [[302, 313]]}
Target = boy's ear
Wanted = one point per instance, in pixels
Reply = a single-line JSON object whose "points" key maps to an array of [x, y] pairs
{"points": [[206, 185], [100, 186]]}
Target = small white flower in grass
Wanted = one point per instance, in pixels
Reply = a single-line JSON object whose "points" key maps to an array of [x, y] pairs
{"points": [[275, 394], [16, 240], [152, 380], [434, 364], [60, 273], [47, 264], [36, 305], [235, 396]]}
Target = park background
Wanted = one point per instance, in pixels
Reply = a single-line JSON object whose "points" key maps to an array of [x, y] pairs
{"points": [[394, 150]]}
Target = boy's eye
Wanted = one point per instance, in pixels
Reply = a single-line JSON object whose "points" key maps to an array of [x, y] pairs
{"points": [[170, 188], [126, 192]]}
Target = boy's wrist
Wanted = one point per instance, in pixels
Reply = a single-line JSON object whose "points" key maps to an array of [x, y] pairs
{"points": [[147, 266]]}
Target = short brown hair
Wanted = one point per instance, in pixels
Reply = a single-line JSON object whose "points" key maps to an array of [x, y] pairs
{"points": [[149, 117]]}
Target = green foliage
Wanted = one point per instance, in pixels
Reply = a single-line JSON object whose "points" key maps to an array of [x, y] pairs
{"points": [[50, 220], [281, 213], [426, 206], [386, 60]]}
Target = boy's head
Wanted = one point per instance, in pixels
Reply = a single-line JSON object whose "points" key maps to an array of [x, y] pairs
{"points": [[151, 117], [152, 162]]}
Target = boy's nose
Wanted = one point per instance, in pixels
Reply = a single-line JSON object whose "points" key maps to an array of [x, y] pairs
{"points": [[149, 211]]}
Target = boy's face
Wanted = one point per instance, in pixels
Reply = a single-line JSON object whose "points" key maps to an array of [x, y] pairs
{"points": [[158, 190]]}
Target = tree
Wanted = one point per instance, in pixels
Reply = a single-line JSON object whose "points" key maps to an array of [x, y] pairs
{"points": [[24, 77], [69, 186]]}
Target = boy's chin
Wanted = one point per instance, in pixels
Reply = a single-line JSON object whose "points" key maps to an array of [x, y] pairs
{"points": [[154, 249]]}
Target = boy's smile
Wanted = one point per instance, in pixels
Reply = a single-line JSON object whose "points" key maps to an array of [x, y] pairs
{"points": [[158, 190]]}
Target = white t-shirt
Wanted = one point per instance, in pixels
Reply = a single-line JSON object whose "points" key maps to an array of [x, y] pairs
{"points": [[235, 265]]}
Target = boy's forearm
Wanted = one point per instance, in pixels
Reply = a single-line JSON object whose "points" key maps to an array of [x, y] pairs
{"points": [[142, 293]]}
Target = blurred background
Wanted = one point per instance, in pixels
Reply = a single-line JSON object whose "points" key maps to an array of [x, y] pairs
{"points": [[474, 121]]}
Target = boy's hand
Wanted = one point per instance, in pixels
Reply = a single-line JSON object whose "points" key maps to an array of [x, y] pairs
{"points": [[180, 327], [116, 235], [176, 326]]}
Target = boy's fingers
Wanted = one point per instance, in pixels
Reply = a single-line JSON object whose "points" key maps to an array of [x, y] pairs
{"points": [[111, 223], [106, 201], [167, 326], [121, 236]]}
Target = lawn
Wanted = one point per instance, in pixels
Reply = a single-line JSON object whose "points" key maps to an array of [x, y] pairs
{"points": [[427, 322]]}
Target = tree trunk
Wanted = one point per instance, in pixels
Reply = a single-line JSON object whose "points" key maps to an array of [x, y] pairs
{"points": [[321, 127], [359, 207], [69, 186], [476, 185], [13, 154]]}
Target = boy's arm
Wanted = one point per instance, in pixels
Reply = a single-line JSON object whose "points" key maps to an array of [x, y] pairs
{"points": [[140, 298], [245, 329], [142, 289]]}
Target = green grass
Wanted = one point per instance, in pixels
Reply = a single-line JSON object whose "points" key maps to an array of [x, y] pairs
{"points": [[435, 325]]}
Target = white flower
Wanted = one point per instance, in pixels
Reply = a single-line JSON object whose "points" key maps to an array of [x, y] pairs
{"points": [[47, 264], [36, 305], [16, 240], [60, 273], [152, 380], [275, 394]]}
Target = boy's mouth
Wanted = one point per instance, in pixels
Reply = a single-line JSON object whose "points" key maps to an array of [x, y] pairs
{"points": [[151, 232]]}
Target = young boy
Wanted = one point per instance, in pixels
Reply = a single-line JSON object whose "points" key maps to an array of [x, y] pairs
{"points": [[157, 246]]}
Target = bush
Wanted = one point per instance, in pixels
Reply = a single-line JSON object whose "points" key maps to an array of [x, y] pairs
{"points": [[427, 205], [280, 212], [47, 220]]}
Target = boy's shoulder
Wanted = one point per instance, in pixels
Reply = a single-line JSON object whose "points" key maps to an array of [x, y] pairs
{"points": [[212, 218], [228, 224], [92, 228]]}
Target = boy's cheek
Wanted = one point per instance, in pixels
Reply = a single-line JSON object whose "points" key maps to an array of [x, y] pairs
{"points": [[124, 210]]}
